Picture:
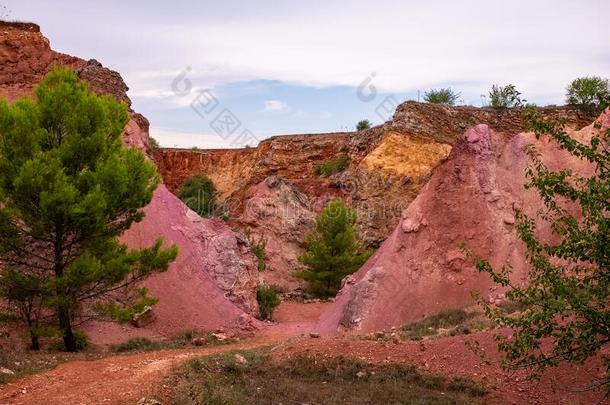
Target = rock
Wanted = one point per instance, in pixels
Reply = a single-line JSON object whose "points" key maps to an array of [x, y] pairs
{"points": [[361, 374], [4, 370], [239, 359], [198, 341], [219, 336], [148, 401], [143, 318], [314, 335]]}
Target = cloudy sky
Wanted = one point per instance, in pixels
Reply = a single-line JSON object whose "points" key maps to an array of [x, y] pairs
{"points": [[317, 66]]}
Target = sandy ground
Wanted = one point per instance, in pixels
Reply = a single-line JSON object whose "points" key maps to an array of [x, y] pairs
{"points": [[124, 379]]}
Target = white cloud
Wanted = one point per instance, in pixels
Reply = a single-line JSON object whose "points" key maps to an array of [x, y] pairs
{"points": [[276, 106]]}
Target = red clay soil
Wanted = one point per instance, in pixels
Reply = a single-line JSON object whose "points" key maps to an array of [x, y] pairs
{"points": [[124, 379], [452, 357]]}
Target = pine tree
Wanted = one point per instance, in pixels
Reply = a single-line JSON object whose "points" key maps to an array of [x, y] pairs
{"points": [[332, 250], [68, 190]]}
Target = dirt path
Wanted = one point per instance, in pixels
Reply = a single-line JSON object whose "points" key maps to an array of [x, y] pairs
{"points": [[124, 379]]}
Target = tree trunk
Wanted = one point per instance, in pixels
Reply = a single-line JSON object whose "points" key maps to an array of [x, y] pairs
{"points": [[65, 325], [35, 344]]}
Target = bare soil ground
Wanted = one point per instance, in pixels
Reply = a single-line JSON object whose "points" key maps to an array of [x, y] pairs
{"points": [[124, 379]]}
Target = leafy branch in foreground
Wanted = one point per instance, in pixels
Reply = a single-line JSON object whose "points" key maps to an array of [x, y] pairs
{"points": [[566, 316]]}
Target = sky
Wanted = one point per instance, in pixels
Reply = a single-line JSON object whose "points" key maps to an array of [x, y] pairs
{"points": [[230, 73]]}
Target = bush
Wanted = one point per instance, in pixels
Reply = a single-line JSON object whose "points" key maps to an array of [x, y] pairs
{"points": [[258, 250], [444, 319], [268, 300], [587, 91], [362, 125], [199, 194], [153, 143], [332, 166], [505, 97], [332, 250], [442, 96]]}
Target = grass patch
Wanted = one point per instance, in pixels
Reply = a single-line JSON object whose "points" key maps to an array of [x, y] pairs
{"points": [[331, 167], [454, 319], [184, 339], [227, 379]]}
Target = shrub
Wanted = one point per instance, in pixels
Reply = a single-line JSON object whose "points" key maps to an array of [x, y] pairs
{"points": [[587, 91], [332, 166], [258, 250], [135, 344], [199, 194], [444, 319], [505, 97], [442, 96], [362, 125], [153, 143], [332, 250], [268, 299]]}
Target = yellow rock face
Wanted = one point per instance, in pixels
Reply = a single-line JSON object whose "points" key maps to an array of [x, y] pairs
{"points": [[404, 155]]}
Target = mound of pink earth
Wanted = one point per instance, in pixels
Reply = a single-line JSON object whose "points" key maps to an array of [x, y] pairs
{"points": [[470, 200]]}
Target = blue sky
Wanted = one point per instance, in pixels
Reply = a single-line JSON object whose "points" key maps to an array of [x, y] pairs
{"points": [[297, 67]]}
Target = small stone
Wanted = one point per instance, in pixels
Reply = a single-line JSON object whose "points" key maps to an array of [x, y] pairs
{"points": [[219, 336], [314, 335], [198, 341], [240, 359], [361, 374], [4, 370]]}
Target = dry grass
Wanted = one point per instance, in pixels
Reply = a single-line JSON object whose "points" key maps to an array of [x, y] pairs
{"points": [[222, 379]]}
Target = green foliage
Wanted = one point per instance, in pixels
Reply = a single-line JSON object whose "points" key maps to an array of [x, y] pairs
{"points": [[588, 91], [268, 299], [199, 194], [68, 190], [363, 124], [332, 250], [333, 166], [135, 344], [153, 143], [258, 249], [505, 97], [565, 302], [442, 96]]}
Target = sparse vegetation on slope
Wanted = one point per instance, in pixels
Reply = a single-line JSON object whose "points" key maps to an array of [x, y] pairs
{"points": [[333, 166], [363, 124], [255, 378]]}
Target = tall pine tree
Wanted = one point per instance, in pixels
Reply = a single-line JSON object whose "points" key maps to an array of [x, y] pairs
{"points": [[68, 190], [332, 251]]}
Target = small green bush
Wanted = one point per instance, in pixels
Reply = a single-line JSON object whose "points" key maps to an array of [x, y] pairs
{"points": [[362, 125], [268, 300], [258, 250], [332, 166], [135, 344], [505, 97], [442, 96], [153, 143], [199, 194], [588, 91]]}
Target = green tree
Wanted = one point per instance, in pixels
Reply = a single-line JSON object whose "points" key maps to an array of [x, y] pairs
{"points": [[587, 91], [363, 124], [566, 298], [442, 96], [505, 97], [68, 190], [199, 194], [333, 251]]}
